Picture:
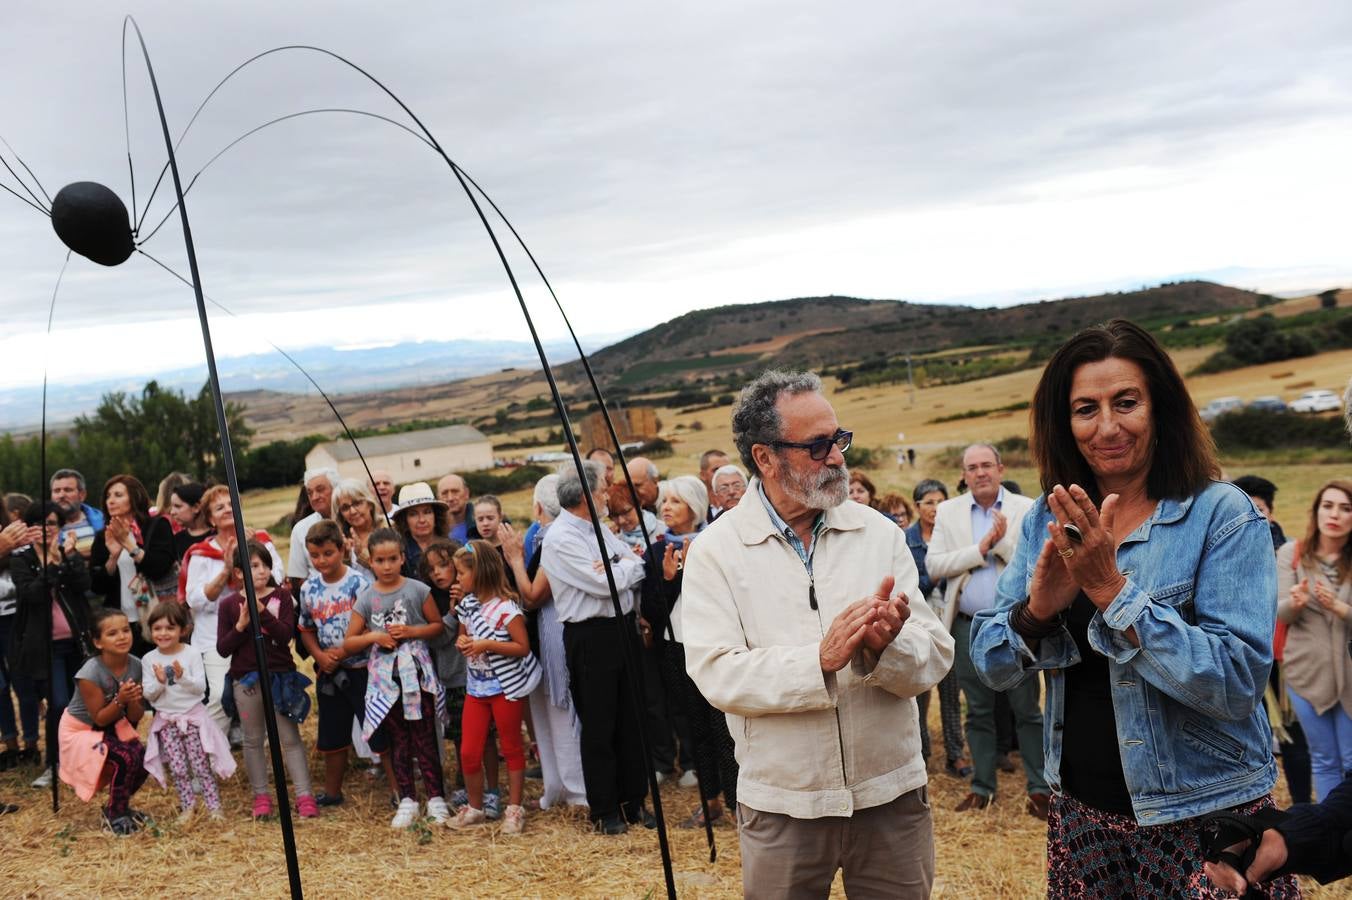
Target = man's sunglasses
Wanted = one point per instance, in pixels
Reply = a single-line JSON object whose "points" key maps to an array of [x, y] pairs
{"points": [[820, 448]]}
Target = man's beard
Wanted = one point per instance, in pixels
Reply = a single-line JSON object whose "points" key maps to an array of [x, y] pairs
{"points": [[829, 488]]}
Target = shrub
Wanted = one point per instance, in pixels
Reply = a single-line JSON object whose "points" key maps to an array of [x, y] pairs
{"points": [[1261, 429]]}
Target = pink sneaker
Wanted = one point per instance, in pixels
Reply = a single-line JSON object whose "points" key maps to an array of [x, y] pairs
{"points": [[306, 806], [262, 807]]}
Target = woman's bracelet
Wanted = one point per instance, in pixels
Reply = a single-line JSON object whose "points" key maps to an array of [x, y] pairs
{"points": [[1029, 626]]}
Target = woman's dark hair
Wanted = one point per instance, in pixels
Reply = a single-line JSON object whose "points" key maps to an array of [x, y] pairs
{"points": [[136, 494], [1184, 457], [303, 507], [928, 486], [15, 504], [868, 486], [190, 493], [1309, 548], [441, 527], [38, 511]]}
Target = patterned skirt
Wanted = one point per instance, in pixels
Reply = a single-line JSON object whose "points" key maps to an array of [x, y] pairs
{"points": [[1095, 854]]}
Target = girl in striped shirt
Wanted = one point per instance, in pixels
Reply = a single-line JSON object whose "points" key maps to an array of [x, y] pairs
{"points": [[501, 673]]}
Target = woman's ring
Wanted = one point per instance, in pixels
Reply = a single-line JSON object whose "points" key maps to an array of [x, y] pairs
{"points": [[1073, 532], [1067, 552]]}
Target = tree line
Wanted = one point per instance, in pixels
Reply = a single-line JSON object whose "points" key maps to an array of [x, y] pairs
{"points": [[150, 434]]}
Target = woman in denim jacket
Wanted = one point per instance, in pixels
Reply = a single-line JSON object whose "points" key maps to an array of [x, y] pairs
{"points": [[1143, 588]]}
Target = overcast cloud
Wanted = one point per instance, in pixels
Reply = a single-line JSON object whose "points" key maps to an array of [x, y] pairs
{"points": [[664, 157]]}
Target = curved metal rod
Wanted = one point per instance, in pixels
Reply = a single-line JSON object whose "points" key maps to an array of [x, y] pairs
{"points": [[126, 130], [299, 368], [220, 84], [26, 169], [619, 455], [23, 184], [253, 131], [627, 639], [45, 491], [228, 458], [10, 190]]}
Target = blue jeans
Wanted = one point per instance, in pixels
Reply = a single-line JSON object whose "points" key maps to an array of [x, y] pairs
{"points": [[1330, 739]]}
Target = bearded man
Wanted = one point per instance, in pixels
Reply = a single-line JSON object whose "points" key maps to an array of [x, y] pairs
{"points": [[797, 624]]}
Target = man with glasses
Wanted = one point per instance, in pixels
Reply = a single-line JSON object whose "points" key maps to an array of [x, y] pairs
{"points": [[975, 535], [797, 624]]}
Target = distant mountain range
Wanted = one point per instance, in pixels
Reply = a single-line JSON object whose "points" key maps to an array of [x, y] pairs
{"points": [[717, 345], [814, 332], [337, 371]]}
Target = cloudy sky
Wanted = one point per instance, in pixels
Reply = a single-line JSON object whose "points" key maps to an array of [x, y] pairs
{"points": [[664, 157]]}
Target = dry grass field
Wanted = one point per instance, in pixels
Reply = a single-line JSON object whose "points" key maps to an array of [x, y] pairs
{"points": [[350, 851]]}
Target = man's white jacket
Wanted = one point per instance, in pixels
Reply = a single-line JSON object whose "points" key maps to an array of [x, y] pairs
{"points": [[809, 744], [954, 552]]}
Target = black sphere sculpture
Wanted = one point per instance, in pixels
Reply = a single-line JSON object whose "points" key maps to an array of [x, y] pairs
{"points": [[92, 220]]}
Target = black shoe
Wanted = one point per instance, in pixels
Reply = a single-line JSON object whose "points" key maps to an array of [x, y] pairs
{"points": [[535, 772], [958, 768], [329, 799], [7, 808], [8, 759], [641, 816], [611, 824], [30, 756]]}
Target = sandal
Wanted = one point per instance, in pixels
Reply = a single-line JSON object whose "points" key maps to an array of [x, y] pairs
{"points": [[1220, 831]]}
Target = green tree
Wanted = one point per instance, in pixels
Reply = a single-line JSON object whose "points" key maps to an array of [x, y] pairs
{"points": [[1328, 299]]}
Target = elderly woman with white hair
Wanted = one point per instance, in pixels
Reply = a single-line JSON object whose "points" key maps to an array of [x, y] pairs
{"points": [[357, 514], [683, 504]]}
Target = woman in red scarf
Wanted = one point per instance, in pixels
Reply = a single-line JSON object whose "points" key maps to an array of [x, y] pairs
{"points": [[132, 555]]}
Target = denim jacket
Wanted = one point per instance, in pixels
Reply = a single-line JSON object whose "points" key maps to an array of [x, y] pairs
{"points": [[1189, 701]]}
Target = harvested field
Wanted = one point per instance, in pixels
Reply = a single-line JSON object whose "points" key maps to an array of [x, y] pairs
{"points": [[351, 851]]}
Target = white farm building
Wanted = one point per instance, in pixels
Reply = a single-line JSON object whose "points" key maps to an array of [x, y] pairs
{"points": [[410, 455]]}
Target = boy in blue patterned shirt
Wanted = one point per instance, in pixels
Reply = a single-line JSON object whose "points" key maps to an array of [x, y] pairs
{"points": [[324, 609]]}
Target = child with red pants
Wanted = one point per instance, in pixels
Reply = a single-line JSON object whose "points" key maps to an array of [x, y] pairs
{"points": [[501, 673]]}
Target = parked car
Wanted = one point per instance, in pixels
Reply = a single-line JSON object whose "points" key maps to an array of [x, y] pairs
{"points": [[1317, 401], [1220, 406], [1269, 403]]}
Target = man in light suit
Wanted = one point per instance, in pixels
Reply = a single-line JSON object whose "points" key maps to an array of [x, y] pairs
{"points": [[974, 539]]}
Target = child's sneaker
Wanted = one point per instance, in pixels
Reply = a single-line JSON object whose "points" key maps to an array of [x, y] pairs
{"points": [[407, 812], [187, 814], [262, 806], [459, 797], [306, 806], [492, 805], [513, 820], [437, 810], [466, 817], [216, 815]]}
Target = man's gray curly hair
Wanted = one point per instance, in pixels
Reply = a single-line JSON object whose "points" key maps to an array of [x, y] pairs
{"points": [[755, 419]]}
